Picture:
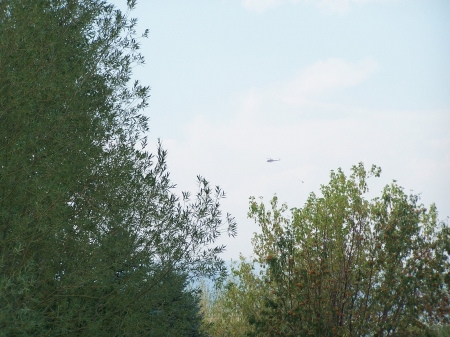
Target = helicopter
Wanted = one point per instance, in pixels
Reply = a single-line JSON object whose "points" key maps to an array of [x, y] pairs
{"points": [[270, 160]]}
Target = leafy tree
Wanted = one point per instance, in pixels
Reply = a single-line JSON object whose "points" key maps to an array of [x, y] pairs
{"points": [[346, 266], [341, 266], [228, 307], [91, 235]]}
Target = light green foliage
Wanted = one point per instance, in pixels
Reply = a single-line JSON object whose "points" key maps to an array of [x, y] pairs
{"points": [[227, 307], [92, 240], [346, 266]]}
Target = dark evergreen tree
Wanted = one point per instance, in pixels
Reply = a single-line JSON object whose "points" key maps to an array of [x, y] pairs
{"points": [[91, 235]]}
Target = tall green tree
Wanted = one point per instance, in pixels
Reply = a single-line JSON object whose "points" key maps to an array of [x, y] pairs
{"points": [[342, 265], [91, 234], [346, 266]]}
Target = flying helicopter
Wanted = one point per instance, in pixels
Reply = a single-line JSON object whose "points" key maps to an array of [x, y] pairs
{"points": [[270, 160]]}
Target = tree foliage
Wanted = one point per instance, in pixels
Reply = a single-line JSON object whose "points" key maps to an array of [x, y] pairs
{"points": [[228, 306], [346, 266], [93, 241]]}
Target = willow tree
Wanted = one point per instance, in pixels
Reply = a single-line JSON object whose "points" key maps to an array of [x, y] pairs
{"points": [[346, 266], [91, 234]]}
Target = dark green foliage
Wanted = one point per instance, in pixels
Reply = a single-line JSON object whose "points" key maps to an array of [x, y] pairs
{"points": [[91, 236]]}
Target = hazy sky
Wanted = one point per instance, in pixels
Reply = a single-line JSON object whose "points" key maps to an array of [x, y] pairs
{"points": [[320, 84]]}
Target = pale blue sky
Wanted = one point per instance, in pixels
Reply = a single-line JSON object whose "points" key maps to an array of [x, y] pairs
{"points": [[320, 83]]}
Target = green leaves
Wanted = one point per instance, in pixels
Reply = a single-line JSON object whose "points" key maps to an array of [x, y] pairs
{"points": [[356, 263], [346, 266], [93, 241]]}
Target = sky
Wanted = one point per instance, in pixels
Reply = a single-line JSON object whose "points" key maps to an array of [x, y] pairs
{"points": [[320, 84]]}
